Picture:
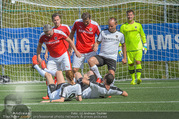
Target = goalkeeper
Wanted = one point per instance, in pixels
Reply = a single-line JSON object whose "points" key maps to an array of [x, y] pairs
{"points": [[134, 36]]}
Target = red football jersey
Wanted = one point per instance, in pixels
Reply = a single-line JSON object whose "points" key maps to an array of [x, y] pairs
{"points": [[55, 44], [65, 28], [85, 35]]}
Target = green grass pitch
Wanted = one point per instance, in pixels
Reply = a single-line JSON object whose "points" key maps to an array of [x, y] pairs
{"points": [[149, 96]]}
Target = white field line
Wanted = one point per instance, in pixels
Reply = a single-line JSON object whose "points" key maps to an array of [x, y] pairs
{"points": [[36, 90], [116, 82], [94, 103]]}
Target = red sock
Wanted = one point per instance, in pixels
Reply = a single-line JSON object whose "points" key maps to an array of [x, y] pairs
{"points": [[55, 80]]}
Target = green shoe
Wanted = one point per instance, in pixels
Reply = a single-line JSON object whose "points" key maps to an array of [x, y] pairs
{"points": [[133, 82], [139, 81]]}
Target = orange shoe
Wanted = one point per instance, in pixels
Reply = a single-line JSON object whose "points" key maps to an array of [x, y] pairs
{"points": [[45, 98], [34, 60], [43, 65], [98, 80], [109, 96]]}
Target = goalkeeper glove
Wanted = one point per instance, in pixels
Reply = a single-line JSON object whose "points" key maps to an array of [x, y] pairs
{"points": [[145, 48], [120, 52]]}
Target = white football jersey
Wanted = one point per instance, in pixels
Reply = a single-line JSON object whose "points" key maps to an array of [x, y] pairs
{"points": [[69, 91], [66, 90], [109, 43], [96, 90]]}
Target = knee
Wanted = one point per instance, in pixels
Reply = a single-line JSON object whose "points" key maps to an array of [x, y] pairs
{"points": [[47, 75], [131, 64], [75, 70], [91, 61], [138, 62], [58, 73]]}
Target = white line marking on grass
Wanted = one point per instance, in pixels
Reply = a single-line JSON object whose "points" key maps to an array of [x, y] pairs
{"points": [[89, 103], [24, 91], [151, 87], [141, 83], [36, 90]]}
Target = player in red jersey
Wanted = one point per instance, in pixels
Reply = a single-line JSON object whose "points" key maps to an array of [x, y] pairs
{"points": [[86, 29], [56, 19], [59, 57]]}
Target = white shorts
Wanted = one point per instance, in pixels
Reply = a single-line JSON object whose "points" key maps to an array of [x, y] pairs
{"points": [[60, 63], [79, 62]]}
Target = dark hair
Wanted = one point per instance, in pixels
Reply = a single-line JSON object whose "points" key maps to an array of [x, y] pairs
{"points": [[109, 78], [128, 11], [13, 97], [85, 16], [56, 14], [112, 18]]}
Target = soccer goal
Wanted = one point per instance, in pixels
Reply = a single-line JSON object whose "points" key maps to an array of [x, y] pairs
{"points": [[21, 23]]}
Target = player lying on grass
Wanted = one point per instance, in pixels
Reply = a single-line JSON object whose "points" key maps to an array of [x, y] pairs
{"points": [[63, 91], [92, 89]]}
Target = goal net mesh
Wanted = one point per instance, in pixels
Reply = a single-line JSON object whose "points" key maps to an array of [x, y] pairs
{"points": [[21, 23]]}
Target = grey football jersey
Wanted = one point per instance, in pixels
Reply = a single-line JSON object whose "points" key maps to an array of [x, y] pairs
{"points": [[97, 90], [109, 43]]}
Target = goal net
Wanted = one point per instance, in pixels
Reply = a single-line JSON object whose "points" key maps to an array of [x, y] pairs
{"points": [[21, 23]]}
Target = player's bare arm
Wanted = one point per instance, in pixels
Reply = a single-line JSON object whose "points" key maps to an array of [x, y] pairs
{"points": [[73, 46], [95, 46], [62, 99], [124, 60], [79, 98], [125, 94], [46, 54], [39, 47], [71, 36]]}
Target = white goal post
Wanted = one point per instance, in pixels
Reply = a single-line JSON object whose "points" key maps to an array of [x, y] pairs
{"points": [[21, 23]]}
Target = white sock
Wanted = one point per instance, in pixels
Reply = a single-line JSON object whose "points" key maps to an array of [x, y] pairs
{"points": [[41, 71], [50, 71], [96, 71], [112, 84]]}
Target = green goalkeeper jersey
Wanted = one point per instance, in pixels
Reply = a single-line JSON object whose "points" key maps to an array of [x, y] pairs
{"points": [[133, 34]]}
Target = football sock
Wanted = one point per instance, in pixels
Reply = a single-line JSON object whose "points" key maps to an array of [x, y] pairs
{"points": [[132, 72], [41, 72], [96, 71], [138, 70], [50, 71]]}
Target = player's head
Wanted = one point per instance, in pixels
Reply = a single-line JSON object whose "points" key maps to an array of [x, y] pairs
{"points": [[70, 76], [86, 18], [10, 101], [56, 18], [112, 23], [48, 30], [130, 15], [108, 79]]}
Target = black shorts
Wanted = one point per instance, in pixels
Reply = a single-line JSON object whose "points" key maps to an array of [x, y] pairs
{"points": [[92, 79], [109, 62]]}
